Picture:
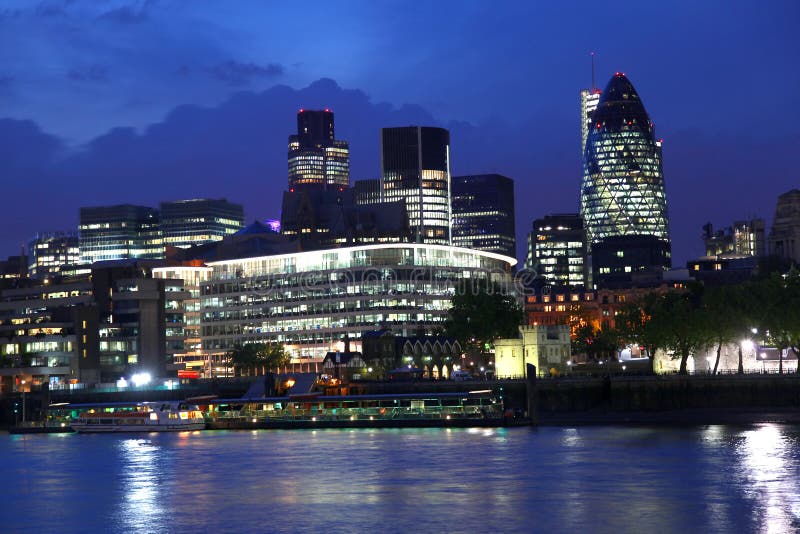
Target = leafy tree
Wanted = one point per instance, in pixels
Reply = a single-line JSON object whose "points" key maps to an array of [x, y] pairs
{"points": [[679, 323], [253, 357], [777, 311], [727, 318], [596, 343], [633, 324], [481, 313]]}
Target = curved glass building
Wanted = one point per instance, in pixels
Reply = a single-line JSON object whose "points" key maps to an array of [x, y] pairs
{"points": [[310, 301], [623, 184]]}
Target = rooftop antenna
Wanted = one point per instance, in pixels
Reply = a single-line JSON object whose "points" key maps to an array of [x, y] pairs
{"points": [[592, 55]]}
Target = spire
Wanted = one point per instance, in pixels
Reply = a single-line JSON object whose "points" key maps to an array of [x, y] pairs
{"points": [[592, 55]]}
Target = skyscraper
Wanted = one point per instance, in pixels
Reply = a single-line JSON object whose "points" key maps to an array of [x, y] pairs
{"points": [[557, 250], [50, 252], [416, 168], [120, 232], [589, 100], [483, 213], [622, 194], [198, 221], [316, 157]]}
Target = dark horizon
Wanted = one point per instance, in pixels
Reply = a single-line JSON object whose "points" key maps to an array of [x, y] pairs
{"points": [[151, 120]]}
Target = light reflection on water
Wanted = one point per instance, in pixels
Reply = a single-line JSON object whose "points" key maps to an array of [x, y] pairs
{"points": [[606, 479]]}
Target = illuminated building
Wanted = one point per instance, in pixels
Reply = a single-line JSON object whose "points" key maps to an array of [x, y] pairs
{"points": [[120, 232], [367, 192], [310, 301], [557, 250], [744, 238], [623, 201], [483, 213], [191, 356], [589, 100], [52, 253], [14, 267], [92, 329], [416, 168], [325, 218], [784, 238], [195, 222], [316, 157], [546, 347]]}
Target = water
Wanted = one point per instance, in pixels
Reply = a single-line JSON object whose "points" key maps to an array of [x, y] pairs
{"points": [[597, 479]]}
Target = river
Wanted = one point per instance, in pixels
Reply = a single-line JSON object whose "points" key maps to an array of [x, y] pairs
{"points": [[585, 479]]}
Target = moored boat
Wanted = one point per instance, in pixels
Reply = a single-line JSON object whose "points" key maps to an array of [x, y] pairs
{"points": [[162, 416]]}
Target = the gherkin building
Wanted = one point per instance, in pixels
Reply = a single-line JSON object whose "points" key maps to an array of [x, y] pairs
{"points": [[623, 185]]}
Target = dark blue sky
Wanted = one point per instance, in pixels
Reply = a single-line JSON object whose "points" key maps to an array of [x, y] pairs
{"points": [[118, 101]]}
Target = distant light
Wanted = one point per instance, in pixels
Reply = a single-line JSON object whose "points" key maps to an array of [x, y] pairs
{"points": [[254, 419], [141, 379], [301, 110], [327, 110]]}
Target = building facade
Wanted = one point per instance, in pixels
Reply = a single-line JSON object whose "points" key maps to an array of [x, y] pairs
{"points": [[192, 357], [784, 238], [91, 329], [316, 158], [51, 253], [623, 199], [416, 168], [589, 100], [546, 347], [557, 250], [483, 213], [310, 301], [120, 232], [198, 221], [744, 238]]}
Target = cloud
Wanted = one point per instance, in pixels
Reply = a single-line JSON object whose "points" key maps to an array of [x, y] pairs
{"points": [[93, 73], [126, 15], [238, 73], [237, 149]]}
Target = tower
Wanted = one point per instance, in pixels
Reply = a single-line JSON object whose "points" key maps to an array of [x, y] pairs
{"points": [[416, 167], [623, 201], [316, 158]]}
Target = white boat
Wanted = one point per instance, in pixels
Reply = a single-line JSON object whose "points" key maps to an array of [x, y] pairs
{"points": [[166, 416]]}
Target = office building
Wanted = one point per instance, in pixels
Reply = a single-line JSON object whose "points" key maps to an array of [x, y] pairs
{"points": [[91, 329], [191, 357], [366, 192], [416, 168], [483, 213], [744, 238], [316, 158], [120, 232], [623, 183], [557, 250], [623, 200], [589, 101], [185, 223], [310, 301], [53, 254], [784, 238]]}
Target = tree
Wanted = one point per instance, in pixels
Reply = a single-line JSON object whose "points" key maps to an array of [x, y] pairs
{"points": [[778, 311], [253, 357], [679, 323], [633, 324], [481, 313], [727, 318]]}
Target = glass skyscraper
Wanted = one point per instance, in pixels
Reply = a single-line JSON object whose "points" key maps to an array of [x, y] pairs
{"points": [[120, 232], [416, 168], [198, 221], [483, 213], [50, 253], [316, 157], [589, 100], [623, 185]]}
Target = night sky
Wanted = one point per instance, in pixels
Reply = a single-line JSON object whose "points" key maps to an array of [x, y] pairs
{"points": [[105, 102]]}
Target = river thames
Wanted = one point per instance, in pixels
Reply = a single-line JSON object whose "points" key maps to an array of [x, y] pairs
{"points": [[599, 479]]}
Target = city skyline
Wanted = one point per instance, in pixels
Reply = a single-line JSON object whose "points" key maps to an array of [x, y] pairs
{"points": [[233, 145]]}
